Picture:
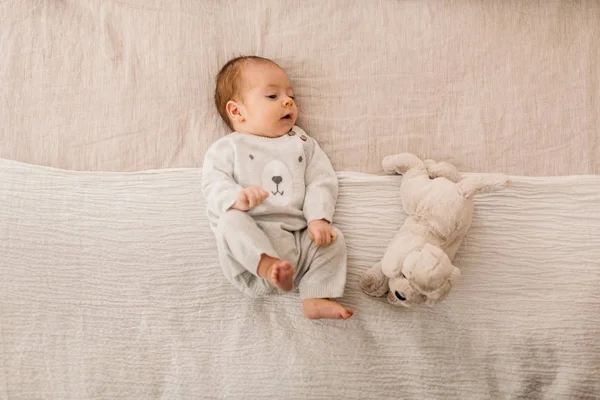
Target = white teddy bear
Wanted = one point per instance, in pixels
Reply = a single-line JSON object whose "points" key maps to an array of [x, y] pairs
{"points": [[417, 265]]}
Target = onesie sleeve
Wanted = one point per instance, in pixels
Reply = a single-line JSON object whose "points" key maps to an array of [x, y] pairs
{"points": [[321, 184], [218, 185]]}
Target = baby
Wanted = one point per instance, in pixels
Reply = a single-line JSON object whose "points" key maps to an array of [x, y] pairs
{"points": [[271, 193]]}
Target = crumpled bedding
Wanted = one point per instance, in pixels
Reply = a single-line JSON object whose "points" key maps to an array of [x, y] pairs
{"points": [[110, 288]]}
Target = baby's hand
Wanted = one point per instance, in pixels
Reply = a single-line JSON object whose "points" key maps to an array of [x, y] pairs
{"points": [[249, 198], [321, 232]]}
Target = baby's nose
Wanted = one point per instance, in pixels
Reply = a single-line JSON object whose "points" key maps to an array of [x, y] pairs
{"points": [[288, 102]]}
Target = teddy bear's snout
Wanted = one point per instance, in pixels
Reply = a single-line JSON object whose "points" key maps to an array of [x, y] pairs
{"points": [[399, 296]]}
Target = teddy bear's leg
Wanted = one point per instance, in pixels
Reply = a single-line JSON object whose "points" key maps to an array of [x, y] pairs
{"points": [[480, 184], [373, 282]]}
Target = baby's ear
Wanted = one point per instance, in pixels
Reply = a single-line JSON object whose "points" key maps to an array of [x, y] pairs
{"points": [[234, 111]]}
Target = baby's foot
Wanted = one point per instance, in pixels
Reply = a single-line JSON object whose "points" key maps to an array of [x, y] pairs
{"points": [[281, 275], [325, 308]]}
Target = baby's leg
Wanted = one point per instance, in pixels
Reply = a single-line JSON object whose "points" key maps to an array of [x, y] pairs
{"points": [[324, 279], [279, 273], [325, 309], [248, 249]]}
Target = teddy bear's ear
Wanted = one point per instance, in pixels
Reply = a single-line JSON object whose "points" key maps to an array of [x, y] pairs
{"points": [[440, 294], [400, 163], [373, 282], [442, 291]]}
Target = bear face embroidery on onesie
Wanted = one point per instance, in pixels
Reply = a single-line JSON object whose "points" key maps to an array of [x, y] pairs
{"points": [[275, 164], [278, 181]]}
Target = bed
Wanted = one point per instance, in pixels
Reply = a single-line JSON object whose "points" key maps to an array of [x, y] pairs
{"points": [[109, 280]]}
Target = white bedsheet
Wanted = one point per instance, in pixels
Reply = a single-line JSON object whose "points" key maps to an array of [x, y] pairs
{"points": [[110, 289]]}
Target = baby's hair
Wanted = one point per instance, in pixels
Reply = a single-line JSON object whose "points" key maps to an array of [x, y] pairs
{"points": [[229, 82]]}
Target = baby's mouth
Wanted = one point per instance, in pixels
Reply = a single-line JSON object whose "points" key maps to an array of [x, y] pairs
{"points": [[287, 116]]}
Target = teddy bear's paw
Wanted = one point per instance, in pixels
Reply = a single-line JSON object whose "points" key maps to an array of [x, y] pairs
{"points": [[373, 282], [400, 163], [442, 169]]}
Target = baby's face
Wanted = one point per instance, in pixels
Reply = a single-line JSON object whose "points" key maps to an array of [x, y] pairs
{"points": [[267, 106]]}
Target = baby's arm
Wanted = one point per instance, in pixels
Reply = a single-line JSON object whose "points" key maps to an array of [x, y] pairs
{"points": [[321, 195], [249, 198], [321, 185], [219, 188]]}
